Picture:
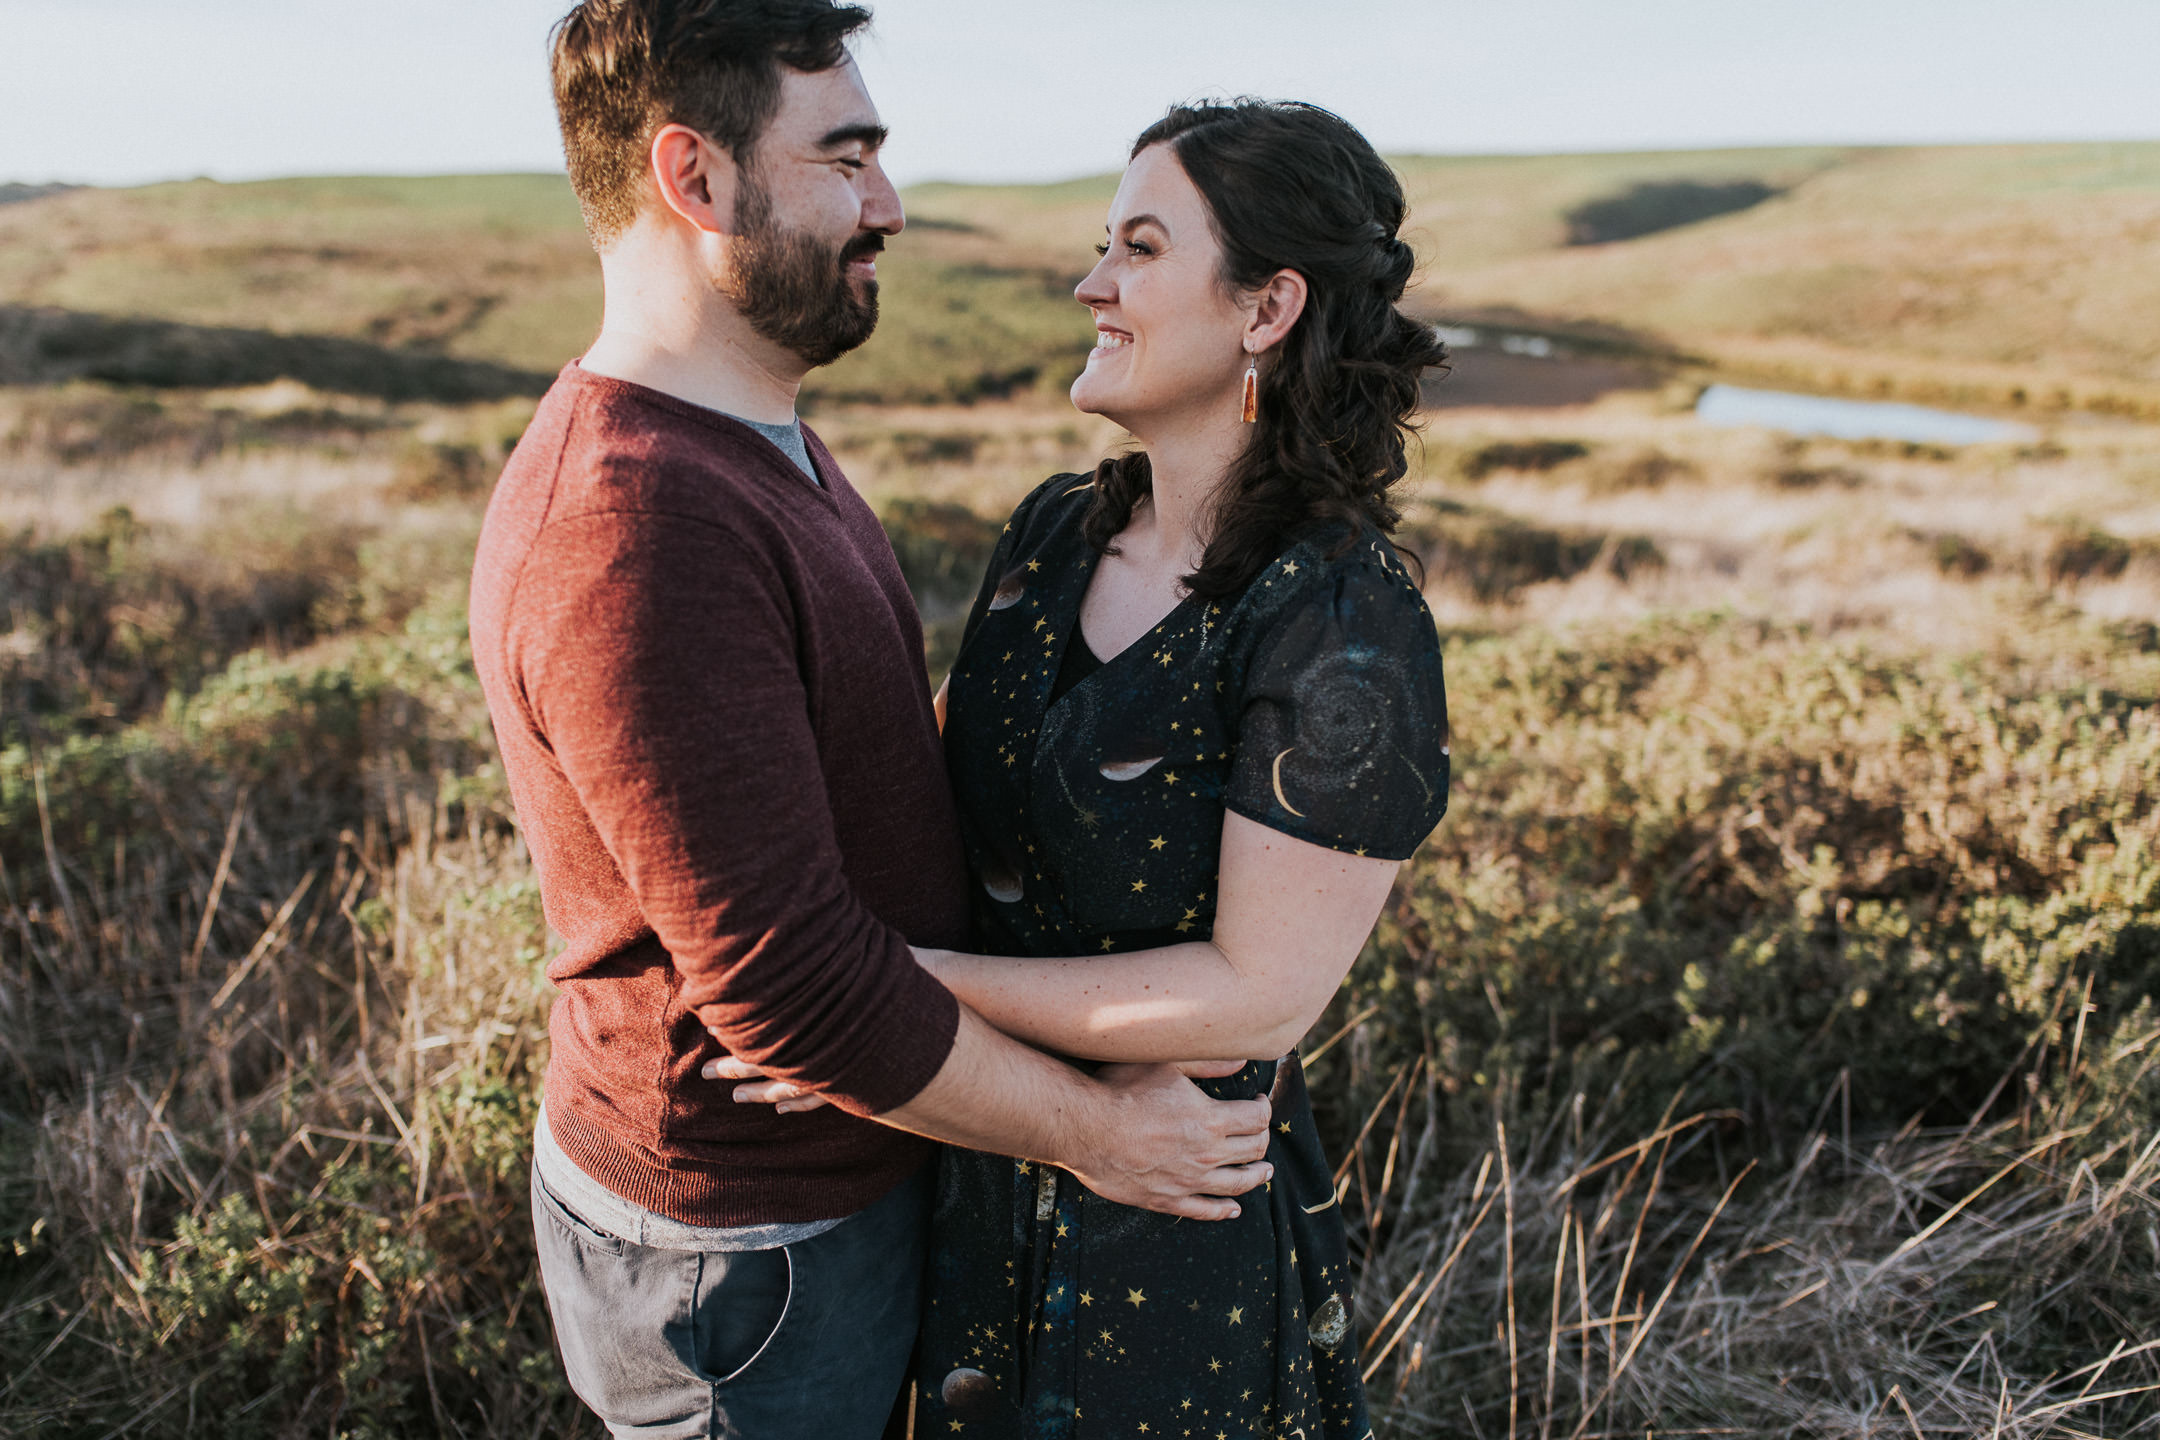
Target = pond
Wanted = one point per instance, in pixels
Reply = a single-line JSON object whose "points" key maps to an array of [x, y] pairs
{"points": [[1730, 405]]}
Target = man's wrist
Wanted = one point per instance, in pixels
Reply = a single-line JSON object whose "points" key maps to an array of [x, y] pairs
{"points": [[1082, 1120]]}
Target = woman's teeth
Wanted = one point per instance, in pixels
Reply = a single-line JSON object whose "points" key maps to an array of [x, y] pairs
{"points": [[1106, 341]]}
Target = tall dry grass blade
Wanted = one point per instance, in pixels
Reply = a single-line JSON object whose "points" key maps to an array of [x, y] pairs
{"points": [[1642, 1147], [193, 965], [2061, 1406], [1357, 1146], [53, 867], [262, 946], [1402, 1297], [2085, 1010], [1914, 1242], [1897, 1393], [1402, 1112], [1582, 1305], [2100, 1367], [1312, 1057], [1462, 1244], [1507, 1193], [1552, 1329], [1627, 1262]]}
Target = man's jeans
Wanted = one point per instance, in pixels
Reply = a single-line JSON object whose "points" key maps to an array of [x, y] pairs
{"points": [[808, 1340]]}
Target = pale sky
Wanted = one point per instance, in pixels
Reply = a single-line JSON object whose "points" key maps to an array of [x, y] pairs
{"points": [[125, 91]]}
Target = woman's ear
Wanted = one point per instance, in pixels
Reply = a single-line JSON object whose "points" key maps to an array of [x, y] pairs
{"points": [[1281, 301], [695, 178]]}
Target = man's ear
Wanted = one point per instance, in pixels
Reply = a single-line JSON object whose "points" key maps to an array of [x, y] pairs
{"points": [[696, 179], [1281, 301]]}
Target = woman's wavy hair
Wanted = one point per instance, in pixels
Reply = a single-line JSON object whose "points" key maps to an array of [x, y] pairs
{"points": [[1291, 186]]}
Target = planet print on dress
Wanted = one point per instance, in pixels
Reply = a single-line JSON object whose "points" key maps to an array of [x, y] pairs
{"points": [[1009, 591], [1002, 885]]}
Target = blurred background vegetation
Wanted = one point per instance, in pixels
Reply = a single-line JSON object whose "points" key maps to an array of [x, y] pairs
{"points": [[1765, 1043]]}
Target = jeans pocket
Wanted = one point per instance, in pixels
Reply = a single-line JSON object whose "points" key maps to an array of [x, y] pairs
{"points": [[744, 1300], [573, 1225]]}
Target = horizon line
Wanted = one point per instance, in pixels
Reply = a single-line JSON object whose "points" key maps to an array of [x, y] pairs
{"points": [[1538, 153]]}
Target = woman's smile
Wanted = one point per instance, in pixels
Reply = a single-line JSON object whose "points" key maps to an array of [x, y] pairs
{"points": [[1108, 341]]}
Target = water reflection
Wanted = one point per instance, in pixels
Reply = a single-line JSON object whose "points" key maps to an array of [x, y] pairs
{"points": [[1729, 405]]}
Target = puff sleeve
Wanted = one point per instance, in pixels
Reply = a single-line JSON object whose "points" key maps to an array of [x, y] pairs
{"points": [[1343, 731]]}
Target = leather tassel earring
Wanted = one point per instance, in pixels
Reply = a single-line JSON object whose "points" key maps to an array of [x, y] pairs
{"points": [[1251, 410]]}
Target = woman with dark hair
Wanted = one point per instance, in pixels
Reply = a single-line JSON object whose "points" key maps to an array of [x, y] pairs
{"points": [[1196, 723]]}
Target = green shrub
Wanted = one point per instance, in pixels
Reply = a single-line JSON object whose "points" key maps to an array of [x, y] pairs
{"points": [[1743, 860]]}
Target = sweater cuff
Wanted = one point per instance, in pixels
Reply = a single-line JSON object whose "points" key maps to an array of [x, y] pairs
{"points": [[914, 1046], [891, 1037]]}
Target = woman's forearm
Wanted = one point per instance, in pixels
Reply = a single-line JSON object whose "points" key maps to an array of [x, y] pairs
{"points": [[1182, 1002]]}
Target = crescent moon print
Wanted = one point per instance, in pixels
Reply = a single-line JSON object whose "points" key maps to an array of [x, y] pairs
{"points": [[1129, 769], [1280, 798]]}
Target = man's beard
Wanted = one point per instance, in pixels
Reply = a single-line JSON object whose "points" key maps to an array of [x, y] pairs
{"points": [[794, 288]]}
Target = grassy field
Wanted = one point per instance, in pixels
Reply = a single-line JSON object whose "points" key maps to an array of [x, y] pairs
{"points": [[2002, 276], [1766, 1043]]}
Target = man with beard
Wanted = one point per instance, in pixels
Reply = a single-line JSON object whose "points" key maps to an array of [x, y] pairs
{"points": [[705, 674]]}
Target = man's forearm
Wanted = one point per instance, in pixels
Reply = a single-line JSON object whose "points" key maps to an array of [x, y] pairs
{"points": [[996, 1094]]}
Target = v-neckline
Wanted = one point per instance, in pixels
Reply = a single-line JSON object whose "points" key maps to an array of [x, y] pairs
{"points": [[1086, 569]]}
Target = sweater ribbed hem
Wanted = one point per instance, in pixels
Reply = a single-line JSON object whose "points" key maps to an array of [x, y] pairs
{"points": [[721, 1193]]}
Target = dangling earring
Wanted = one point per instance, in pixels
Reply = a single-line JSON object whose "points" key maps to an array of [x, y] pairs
{"points": [[1251, 410]]}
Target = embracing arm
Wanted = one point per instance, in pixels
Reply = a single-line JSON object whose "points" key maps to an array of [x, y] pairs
{"points": [[1290, 918]]}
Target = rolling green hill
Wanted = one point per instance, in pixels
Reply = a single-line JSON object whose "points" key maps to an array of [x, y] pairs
{"points": [[2000, 275]]}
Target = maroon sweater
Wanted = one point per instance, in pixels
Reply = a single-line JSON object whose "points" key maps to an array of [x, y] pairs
{"points": [[706, 678]]}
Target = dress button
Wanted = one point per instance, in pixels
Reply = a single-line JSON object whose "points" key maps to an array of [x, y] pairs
{"points": [[969, 1394]]}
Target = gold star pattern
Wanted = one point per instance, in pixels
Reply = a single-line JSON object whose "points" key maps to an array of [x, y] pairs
{"points": [[1289, 567], [1237, 1317], [1138, 886], [1086, 1299], [1157, 843], [1135, 1299]]}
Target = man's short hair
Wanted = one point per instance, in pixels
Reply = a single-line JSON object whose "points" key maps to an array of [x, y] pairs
{"points": [[623, 69]]}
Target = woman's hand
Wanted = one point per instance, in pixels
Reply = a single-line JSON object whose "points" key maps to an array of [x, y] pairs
{"points": [[782, 1095]]}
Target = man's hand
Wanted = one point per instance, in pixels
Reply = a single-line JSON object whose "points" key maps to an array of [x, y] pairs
{"points": [[1160, 1142], [1154, 1141]]}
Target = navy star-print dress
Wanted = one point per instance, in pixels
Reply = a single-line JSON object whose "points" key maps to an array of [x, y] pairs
{"points": [[1091, 808]]}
